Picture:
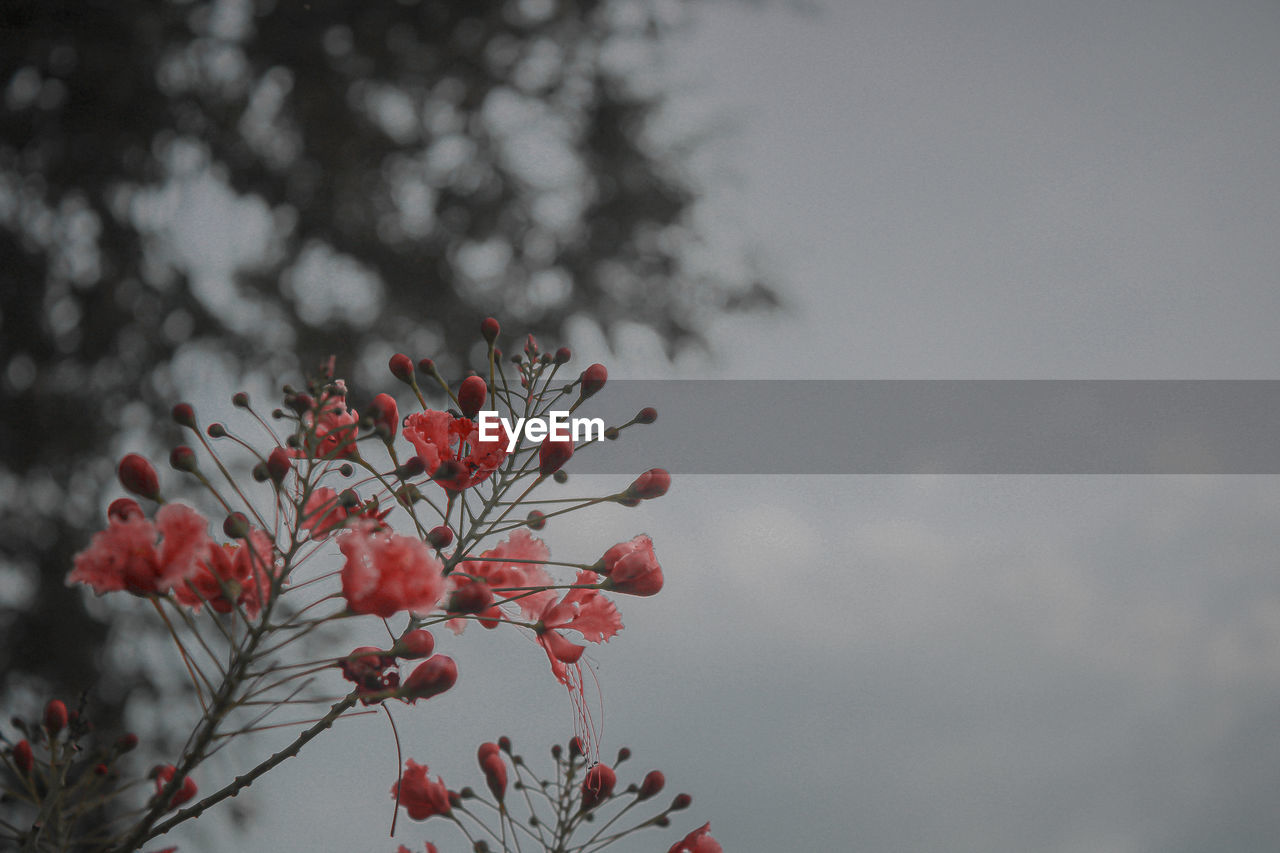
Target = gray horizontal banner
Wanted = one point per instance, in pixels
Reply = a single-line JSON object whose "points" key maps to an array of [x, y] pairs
{"points": [[939, 427]]}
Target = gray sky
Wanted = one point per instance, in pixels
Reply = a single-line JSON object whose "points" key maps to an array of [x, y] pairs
{"points": [[971, 189]]}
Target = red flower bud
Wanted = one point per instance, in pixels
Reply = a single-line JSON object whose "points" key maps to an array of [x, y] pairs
{"points": [[385, 414], [186, 791], [401, 367], [278, 465], [23, 757], [495, 771], [427, 366], [652, 785], [552, 456], [562, 355], [471, 396], [489, 329], [597, 786], [184, 415], [416, 644], [55, 716], [100, 769], [123, 509], [647, 415], [536, 520], [682, 801], [127, 742], [137, 476], [651, 484], [593, 379], [183, 458], [439, 537], [431, 678], [240, 400]]}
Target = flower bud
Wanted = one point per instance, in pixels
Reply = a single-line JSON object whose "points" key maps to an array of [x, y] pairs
{"points": [[647, 415], [489, 329], [495, 771], [401, 367], [100, 769], [278, 465], [184, 415], [652, 785], [123, 509], [300, 403], [183, 458], [561, 477], [651, 484], [536, 520], [575, 747], [427, 366], [127, 742], [137, 476], [471, 396], [431, 678], [240, 400], [597, 786], [416, 644], [23, 757], [186, 791], [412, 467], [386, 415], [236, 526], [682, 801], [552, 456], [439, 537], [470, 597], [216, 430], [55, 716], [623, 755], [504, 744], [593, 379], [562, 355]]}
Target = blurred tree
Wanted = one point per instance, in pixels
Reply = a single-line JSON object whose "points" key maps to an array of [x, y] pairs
{"points": [[268, 180]]}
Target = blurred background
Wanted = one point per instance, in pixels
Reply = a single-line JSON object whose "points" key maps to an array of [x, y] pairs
{"points": [[196, 195]]}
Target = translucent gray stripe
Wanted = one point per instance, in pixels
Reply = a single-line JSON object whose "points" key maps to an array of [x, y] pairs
{"points": [[940, 427]]}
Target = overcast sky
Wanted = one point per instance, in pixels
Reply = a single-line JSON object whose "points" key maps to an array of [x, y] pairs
{"points": [[975, 189]]}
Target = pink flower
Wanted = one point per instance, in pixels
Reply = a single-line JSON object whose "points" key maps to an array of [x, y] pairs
{"points": [[135, 555], [586, 611], [439, 437], [514, 563], [386, 573], [243, 574], [335, 426], [632, 567], [698, 841], [421, 797], [323, 513]]}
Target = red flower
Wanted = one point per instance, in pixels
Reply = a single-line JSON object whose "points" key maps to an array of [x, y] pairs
{"points": [[371, 670], [242, 573], [698, 841], [421, 797], [632, 567], [385, 414], [439, 437], [386, 573], [128, 556], [586, 611], [185, 792]]}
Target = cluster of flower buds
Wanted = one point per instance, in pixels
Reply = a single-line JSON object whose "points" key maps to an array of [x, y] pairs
{"points": [[577, 794]]}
